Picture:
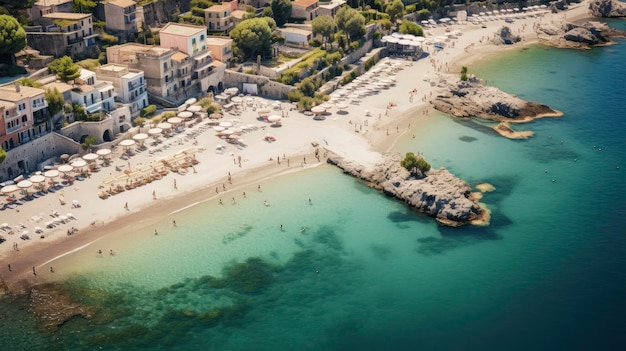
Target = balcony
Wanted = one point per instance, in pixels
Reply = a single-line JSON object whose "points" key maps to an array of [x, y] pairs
{"points": [[72, 41], [40, 105], [14, 129]]}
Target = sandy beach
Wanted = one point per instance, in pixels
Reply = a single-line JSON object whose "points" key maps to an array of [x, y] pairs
{"points": [[360, 132]]}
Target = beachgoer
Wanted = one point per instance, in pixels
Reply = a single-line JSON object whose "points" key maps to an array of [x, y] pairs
{"points": [[221, 203], [100, 252], [258, 187], [34, 273], [51, 269], [10, 268], [126, 206], [281, 227], [244, 194], [174, 223], [153, 195], [111, 252], [155, 232], [175, 187], [309, 200], [266, 203]]}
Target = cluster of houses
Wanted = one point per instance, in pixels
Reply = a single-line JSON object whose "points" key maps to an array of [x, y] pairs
{"points": [[189, 62]]}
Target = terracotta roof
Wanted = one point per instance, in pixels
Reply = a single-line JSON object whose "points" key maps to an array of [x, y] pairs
{"points": [[304, 3], [179, 56]]}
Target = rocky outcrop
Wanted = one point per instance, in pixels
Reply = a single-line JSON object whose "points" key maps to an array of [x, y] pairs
{"points": [[504, 36], [578, 36], [607, 8], [474, 99], [438, 193]]}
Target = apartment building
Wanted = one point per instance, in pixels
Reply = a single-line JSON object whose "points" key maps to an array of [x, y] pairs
{"points": [[23, 114], [218, 18], [304, 9], [129, 83], [63, 34], [121, 19], [44, 7], [221, 48], [94, 95]]}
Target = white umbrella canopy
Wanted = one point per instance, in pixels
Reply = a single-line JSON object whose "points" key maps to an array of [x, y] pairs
{"points": [[219, 128], [164, 125], [185, 114], [9, 189], [342, 106], [228, 132], [274, 118], [24, 184], [174, 120], [127, 142], [90, 157], [191, 101], [236, 99], [51, 173], [194, 108], [318, 109], [65, 168], [103, 152], [37, 178], [226, 124], [78, 163], [232, 91], [140, 136], [155, 131]]}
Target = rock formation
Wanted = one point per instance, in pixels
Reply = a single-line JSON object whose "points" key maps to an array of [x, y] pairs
{"points": [[578, 36], [438, 194], [607, 8], [504, 36], [474, 99]]}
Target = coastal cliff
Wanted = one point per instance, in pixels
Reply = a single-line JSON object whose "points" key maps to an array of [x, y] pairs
{"points": [[607, 8], [471, 98], [438, 193], [578, 36]]}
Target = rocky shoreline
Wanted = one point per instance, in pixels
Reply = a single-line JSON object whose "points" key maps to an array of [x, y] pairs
{"points": [[471, 98], [578, 36], [438, 194]]}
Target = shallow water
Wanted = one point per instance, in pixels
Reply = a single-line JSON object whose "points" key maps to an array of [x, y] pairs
{"points": [[369, 274]]}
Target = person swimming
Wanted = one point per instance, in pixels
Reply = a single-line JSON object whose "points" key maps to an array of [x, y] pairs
{"points": [[266, 203]]}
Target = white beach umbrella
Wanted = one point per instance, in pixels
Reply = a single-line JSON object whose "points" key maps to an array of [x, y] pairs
{"points": [[127, 142], [174, 120], [185, 114], [194, 108], [90, 157], [219, 129], [191, 101], [140, 136], [236, 99], [37, 178], [274, 118], [65, 168], [164, 125], [51, 173], [226, 124], [318, 109], [155, 131], [9, 189], [103, 152], [78, 164]]}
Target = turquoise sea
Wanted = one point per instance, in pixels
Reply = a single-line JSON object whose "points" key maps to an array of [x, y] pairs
{"points": [[549, 273]]}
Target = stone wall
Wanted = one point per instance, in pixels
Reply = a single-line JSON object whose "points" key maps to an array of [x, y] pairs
{"points": [[266, 86], [36, 152]]}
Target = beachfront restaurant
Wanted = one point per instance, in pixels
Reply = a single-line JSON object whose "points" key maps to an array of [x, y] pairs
{"points": [[408, 45]]}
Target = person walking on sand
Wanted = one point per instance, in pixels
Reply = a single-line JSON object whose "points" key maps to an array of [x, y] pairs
{"points": [[51, 269], [126, 206], [175, 187], [10, 268], [34, 273], [156, 232], [174, 223], [153, 195]]}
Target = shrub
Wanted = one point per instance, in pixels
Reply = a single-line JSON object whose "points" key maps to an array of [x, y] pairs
{"points": [[148, 110], [295, 95], [89, 140], [412, 162], [464, 73], [108, 39], [305, 103], [316, 43], [249, 71]]}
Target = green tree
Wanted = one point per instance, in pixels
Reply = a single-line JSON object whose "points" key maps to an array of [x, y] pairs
{"points": [[139, 121], [64, 68], [89, 140], [355, 27], [281, 10], [29, 82], [342, 16], [79, 112], [307, 87], [252, 36], [12, 38], [267, 12], [324, 26], [464, 73], [83, 6], [395, 10], [413, 163], [3, 155], [55, 101], [408, 27]]}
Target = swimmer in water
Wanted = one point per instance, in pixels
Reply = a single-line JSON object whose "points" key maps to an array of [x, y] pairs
{"points": [[303, 229], [266, 203]]}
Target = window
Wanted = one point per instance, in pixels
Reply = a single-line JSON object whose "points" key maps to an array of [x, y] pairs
{"points": [[24, 119], [193, 41], [201, 37]]}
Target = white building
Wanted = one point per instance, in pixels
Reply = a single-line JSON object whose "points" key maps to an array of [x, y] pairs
{"points": [[93, 95], [129, 84]]}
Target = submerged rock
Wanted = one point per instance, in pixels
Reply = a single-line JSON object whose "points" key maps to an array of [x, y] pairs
{"points": [[438, 193], [607, 8], [54, 306]]}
